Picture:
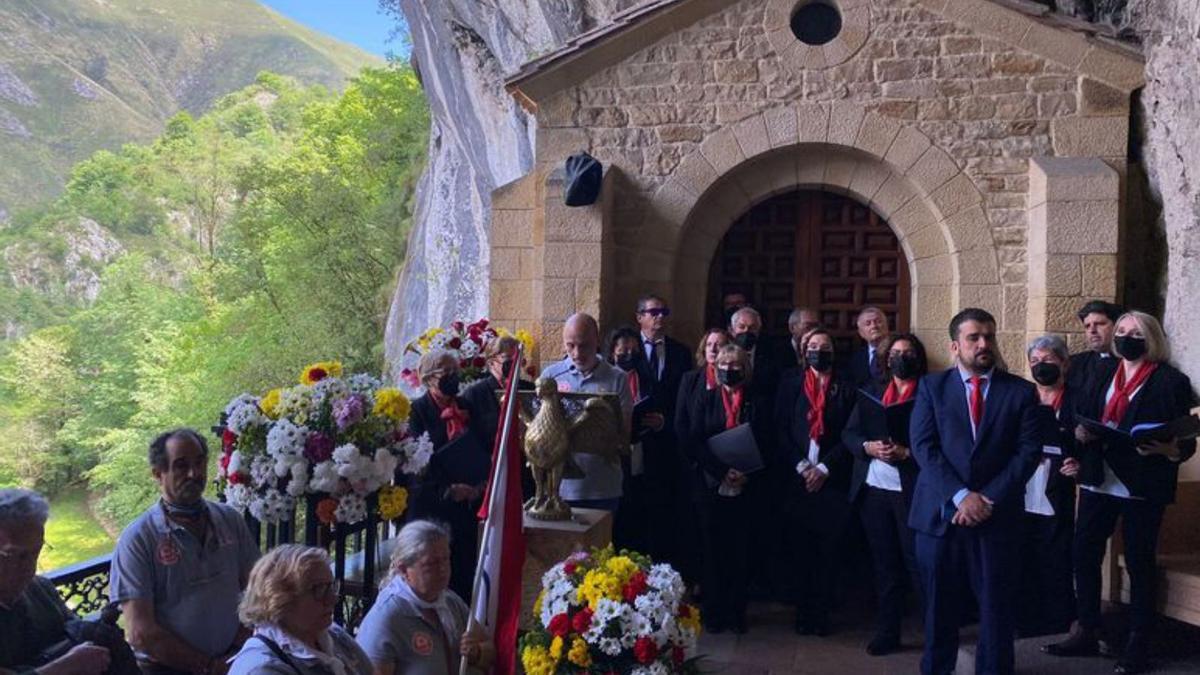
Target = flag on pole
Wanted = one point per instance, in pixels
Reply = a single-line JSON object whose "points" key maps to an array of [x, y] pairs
{"points": [[497, 601]]}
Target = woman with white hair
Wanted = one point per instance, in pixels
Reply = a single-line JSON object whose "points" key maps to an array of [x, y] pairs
{"points": [[289, 602], [1121, 479], [418, 626]]}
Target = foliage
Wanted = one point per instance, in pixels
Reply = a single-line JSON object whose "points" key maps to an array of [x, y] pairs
{"points": [[261, 233], [72, 534]]}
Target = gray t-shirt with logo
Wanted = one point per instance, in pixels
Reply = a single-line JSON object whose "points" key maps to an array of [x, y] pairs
{"points": [[394, 632], [194, 586]]}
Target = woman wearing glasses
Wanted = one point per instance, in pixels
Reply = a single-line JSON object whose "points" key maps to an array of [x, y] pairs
{"points": [[289, 602], [417, 625]]}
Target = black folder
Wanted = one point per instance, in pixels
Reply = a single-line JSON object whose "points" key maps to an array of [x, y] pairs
{"points": [[1184, 427], [641, 407], [737, 448], [463, 460], [886, 422]]}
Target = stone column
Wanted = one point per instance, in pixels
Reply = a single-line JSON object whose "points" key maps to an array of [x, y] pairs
{"points": [[1074, 227]]}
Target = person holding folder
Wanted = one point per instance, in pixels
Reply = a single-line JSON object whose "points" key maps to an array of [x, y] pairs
{"points": [[1046, 600], [446, 492], [881, 485], [484, 407], [811, 409], [719, 489], [631, 524], [1123, 480]]}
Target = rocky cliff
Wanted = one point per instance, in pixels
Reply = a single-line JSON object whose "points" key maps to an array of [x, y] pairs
{"points": [[481, 140]]}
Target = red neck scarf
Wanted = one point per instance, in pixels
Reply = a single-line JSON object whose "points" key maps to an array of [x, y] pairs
{"points": [[455, 418], [1114, 410], [632, 376], [710, 376], [893, 394], [1056, 402], [815, 390], [732, 402]]}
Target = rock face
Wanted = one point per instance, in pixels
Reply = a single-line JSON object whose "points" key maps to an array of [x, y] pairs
{"points": [[480, 139]]}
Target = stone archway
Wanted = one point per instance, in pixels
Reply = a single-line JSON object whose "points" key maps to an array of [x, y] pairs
{"points": [[934, 208]]}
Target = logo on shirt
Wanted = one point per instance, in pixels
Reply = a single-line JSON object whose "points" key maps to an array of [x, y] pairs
{"points": [[422, 643], [168, 552], [564, 387]]}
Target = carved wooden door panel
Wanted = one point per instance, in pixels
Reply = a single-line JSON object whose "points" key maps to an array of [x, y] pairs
{"points": [[814, 249]]}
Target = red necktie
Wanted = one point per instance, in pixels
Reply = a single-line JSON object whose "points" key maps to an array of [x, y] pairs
{"points": [[977, 400]]}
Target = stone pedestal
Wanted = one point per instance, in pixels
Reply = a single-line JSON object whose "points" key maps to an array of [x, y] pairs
{"points": [[547, 542]]}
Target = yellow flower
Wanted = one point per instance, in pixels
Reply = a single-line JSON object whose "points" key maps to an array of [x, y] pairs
{"points": [[392, 403], [598, 584], [269, 403], [689, 617], [536, 661], [318, 371], [526, 339], [537, 604], [579, 654], [622, 567], [556, 647], [393, 501]]}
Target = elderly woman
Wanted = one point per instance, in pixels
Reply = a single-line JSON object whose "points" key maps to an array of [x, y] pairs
{"points": [[444, 416], [1121, 479], [718, 489], [289, 601], [1046, 603], [417, 626]]}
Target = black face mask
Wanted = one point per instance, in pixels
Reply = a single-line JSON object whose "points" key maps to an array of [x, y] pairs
{"points": [[729, 378], [905, 367], [818, 360], [506, 370], [448, 385], [1046, 374], [625, 362], [1130, 348], [746, 340]]}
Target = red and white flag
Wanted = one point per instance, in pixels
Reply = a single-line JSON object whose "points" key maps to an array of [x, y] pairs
{"points": [[497, 597]]}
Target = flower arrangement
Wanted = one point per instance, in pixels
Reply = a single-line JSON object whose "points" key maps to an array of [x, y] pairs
{"points": [[608, 612], [466, 341], [342, 439]]}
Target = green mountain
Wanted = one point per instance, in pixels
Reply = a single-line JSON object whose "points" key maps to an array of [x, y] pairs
{"points": [[78, 76]]}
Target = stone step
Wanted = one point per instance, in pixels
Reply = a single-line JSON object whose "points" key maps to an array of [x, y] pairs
{"points": [[1031, 661]]}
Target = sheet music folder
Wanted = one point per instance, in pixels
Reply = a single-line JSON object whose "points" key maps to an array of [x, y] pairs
{"points": [[463, 460], [886, 422], [737, 448]]}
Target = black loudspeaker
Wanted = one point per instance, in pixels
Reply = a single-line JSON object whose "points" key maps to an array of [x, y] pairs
{"points": [[584, 175]]}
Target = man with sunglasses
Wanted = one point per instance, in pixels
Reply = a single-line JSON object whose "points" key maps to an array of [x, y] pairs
{"points": [[668, 360], [179, 569]]}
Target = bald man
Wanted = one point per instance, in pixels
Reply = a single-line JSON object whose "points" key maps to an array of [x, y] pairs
{"points": [[582, 370]]}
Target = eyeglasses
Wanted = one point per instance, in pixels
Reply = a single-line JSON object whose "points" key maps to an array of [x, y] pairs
{"points": [[657, 311], [325, 590]]}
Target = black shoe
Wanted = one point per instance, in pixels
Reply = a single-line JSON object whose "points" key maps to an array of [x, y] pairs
{"points": [[1079, 642], [882, 645]]}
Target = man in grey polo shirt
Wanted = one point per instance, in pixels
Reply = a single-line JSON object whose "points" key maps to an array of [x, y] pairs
{"points": [[583, 371], [179, 569]]}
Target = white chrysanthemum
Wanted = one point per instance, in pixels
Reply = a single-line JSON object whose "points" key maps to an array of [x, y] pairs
{"points": [[653, 608], [299, 481], [262, 470], [469, 349], [606, 612], [286, 439], [362, 383], [295, 403], [656, 668], [416, 453], [610, 646], [272, 507], [328, 389], [439, 341], [239, 496], [235, 463], [384, 469], [325, 477], [351, 509], [667, 581], [243, 414]]}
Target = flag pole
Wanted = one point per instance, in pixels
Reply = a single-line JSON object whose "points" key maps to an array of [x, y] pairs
{"points": [[499, 450]]}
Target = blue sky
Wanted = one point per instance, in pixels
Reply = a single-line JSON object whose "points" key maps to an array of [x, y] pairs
{"points": [[356, 21]]}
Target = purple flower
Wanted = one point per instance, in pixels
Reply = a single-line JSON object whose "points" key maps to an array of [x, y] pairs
{"points": [[348, 411], [318, 447]]}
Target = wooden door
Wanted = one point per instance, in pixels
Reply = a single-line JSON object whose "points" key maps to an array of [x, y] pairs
{"points": [[813, 249]]}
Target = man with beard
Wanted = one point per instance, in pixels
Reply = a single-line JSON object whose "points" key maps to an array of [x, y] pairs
{"points": [[1099, 319], [975, 434], [179, 569]]}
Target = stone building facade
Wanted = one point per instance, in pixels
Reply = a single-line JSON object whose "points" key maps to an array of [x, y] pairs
{"points": [[991, 138]]}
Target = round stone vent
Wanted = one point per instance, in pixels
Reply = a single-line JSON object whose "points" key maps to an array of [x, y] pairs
{"points": [[816, 23]]}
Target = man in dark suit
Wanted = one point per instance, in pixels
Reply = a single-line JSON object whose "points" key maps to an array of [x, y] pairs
{"points": [[976, 436], [800, 322], [865, 365], [1099, 319], [668, 360]]}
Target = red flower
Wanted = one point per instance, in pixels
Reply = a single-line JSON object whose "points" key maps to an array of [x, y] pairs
{"points": [[685, 610], [457, 326], [224, 461], [677, 656], [237, 478], [635, 586], [480, 362], [569, 568], [317, 374], [228, 439], [559, 625], [454, 343], [582, 620], [645, 651], [325, 510], [464, 364]]}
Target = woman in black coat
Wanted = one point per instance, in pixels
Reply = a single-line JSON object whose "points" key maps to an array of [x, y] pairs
{"points": [[881, 486], [484, 407], [1046, 602], [718, 489], [440, 413], [1125, 480], [811, 409]]}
